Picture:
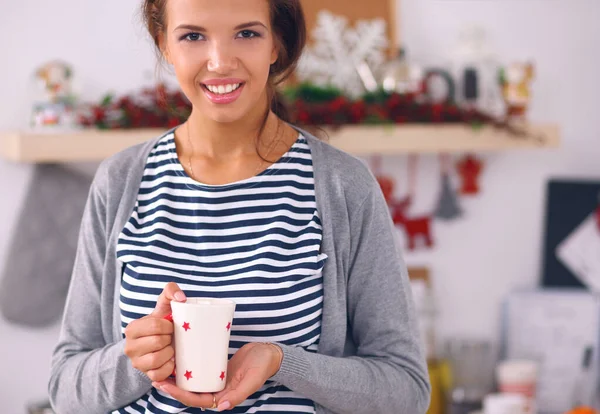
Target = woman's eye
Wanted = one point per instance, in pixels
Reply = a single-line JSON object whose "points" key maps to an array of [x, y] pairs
{"points": [[248, 34], [192, 37]]}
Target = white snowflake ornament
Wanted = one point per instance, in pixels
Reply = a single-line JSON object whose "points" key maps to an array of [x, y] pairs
{"points": [[339, 50]]}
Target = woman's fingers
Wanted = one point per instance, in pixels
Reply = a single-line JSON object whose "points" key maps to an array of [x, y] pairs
{"points": [[190, 399], [237, 391], [150, 344], [154, 360], [148, 326], [163, 304], [162, 373]]}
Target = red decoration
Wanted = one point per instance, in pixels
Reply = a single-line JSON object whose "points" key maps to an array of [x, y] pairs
{"points": [[414, 227], [152, 108], [469, 169], [387, 187], [309, 105], [228, 326], [386, 183], [169, 317], [390, 108], [188, 375], [186, 326], [222, 376]]}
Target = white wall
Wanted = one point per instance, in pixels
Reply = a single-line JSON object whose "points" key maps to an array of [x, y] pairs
{"points": [[106, 45], [494, 249], [497, 246]]}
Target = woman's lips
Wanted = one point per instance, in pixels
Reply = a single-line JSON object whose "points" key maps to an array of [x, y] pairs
{"points": [[222, 98]]}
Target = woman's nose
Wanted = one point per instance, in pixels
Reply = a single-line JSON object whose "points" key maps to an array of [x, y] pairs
{"points": [[221, 59]]}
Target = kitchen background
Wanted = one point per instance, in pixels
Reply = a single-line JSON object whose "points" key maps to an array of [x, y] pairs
{"points": [[494, 249]]}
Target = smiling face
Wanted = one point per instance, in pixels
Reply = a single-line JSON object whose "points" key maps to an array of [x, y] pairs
{"points": [[221, 52]]}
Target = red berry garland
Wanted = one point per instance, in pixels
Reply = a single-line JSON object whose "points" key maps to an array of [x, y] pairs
{"points": [[152, 108], [308, 105]]}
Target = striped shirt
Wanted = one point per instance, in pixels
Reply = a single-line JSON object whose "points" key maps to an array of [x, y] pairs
{"points": [[256, 241]]}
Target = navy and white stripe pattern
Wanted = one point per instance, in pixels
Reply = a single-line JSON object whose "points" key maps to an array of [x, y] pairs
{"points": [[256, 241]]}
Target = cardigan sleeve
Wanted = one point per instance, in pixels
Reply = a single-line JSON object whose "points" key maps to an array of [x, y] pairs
{"points": [[388, 374], [87, 373]]}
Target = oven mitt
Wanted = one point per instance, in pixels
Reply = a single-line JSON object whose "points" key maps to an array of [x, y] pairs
{"points": [[40, 257]]}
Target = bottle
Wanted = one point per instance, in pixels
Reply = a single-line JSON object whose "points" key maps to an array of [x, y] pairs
{"points": [[399, 76], [583, 392]]}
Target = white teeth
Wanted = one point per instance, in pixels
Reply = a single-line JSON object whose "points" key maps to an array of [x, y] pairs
{"points": [[223, 89]]}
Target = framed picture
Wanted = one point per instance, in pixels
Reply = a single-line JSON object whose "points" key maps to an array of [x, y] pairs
{"points": [[571, 255], [355, 10]]}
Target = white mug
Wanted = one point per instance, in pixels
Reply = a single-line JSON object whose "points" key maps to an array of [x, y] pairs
{"points": [[505, 404], [519, 377], [202, 329]]}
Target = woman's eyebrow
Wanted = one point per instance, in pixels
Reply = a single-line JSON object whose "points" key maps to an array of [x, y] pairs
{"points": [[250, 24], [202, 29], [190, 27]]}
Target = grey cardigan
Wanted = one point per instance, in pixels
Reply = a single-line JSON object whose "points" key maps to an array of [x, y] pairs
{"points": [[369, 358]]}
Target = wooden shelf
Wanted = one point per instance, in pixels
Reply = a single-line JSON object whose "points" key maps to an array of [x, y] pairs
{"points": [[85, 145], [95, 145]]}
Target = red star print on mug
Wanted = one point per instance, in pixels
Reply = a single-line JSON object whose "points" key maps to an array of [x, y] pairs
{"points": [[228, 326], [222, 376], [188, 375], [186, 326]]}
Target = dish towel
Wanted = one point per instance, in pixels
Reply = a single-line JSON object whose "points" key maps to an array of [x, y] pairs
{"points": [[40, 257]]}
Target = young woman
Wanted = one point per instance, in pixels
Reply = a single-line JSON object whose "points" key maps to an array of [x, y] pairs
{"points": [[237, 203]]}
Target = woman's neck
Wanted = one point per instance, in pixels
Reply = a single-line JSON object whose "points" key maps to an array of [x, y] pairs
{"points": [[230, 140]]}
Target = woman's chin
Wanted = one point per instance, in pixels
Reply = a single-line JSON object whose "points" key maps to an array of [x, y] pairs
{"points": [[229, 113], [225, 115], [218, 113]]}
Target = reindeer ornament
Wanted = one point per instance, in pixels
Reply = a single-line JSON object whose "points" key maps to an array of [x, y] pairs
{"points": [[416, 227], [515, 81]]}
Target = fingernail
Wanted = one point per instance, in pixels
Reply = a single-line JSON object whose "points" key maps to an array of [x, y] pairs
{"points": [[180, 296], [224, 406]]}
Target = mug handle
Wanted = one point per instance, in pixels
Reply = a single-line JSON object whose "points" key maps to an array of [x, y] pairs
{"points": [[169, 317]]}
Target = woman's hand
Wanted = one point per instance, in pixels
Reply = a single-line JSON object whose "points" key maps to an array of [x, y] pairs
{"points": [[148, 339], [247, 371]]}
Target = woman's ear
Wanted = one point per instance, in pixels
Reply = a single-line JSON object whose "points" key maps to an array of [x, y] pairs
{"points": [[274, 53]]}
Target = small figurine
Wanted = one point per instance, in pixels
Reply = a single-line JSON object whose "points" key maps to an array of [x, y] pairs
{"points": [[469, 169], [515, 82], [54, 103]]}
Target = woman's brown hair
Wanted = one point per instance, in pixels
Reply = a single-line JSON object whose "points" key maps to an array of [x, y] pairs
{"points": [[289, 30]]}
